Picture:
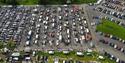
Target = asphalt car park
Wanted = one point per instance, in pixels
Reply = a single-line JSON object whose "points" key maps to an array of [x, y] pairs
{"points": [[44, 26], [59, 27]]}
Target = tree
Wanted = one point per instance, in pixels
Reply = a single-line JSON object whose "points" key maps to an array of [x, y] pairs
{"points": [[43, 2], [9, 2], [11, 45], [3, 1], [1, 45], [12, 2]]}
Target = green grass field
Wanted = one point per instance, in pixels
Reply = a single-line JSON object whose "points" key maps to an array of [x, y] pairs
{"points": [[111, 28], [73, 56], [55, 2]]}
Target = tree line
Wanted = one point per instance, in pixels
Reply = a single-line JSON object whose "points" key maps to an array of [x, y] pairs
{"points": [[9, 2], [40, 2]]}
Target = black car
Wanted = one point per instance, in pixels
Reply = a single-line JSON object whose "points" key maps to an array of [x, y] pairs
{"points": [[111, 44]]}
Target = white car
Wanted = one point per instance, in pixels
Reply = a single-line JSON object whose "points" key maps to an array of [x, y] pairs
{"points": [[123, 41], [111, 57], [74, 23], [30, 32], [117, 60], [48, 10], [81, 27], [47, 18], [37, 36], [76, 39], [60, 27], [40, 20], [38, 25], [87, 30], [85, 22], [68, 41], [111, 36], [53, 20], [64, 24], [93, 23], [67, 30], [45, 37], [82, 32], [115, 46], [64, 61], [83, 37], [59, 9], [53, 24], [71, 10], [36, 41], [66, 14], [60, 17], [60, 37], [46, 27], [41, 16], [44, 41], [113, 13], [68, 36], [79, 19], [122, 50], [56, 60], [34, 53], [57, 42], [27, 43], [50, 42], [44, 22]]}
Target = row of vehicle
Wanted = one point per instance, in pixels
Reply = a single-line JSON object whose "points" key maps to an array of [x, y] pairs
{"points": [[118, 47], [114, 7], [112, 37], [117, 2], [110, 12], [112, 57]]}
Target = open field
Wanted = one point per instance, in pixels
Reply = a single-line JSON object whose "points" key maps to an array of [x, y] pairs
{"points": [[111, 28]]}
